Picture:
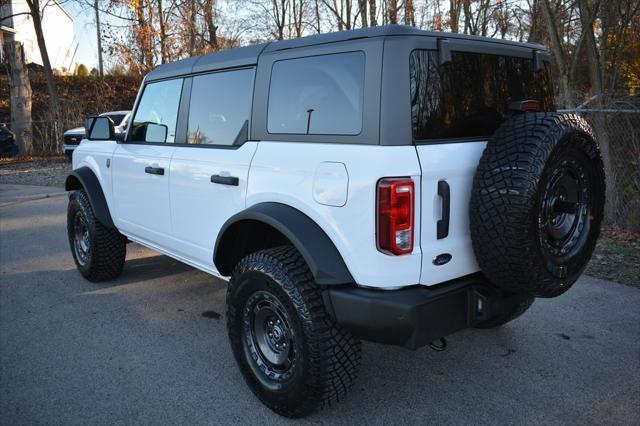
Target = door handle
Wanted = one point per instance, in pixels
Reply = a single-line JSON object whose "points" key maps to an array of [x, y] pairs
{"points": [[225, 180], [443, 224], [154, 170]]}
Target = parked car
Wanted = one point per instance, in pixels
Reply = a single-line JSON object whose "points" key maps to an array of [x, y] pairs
{"points": [[384, 184], [73, 137], [8, 146]]}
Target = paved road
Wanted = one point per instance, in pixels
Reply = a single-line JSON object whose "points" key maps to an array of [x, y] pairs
{"points": [[138, 350]]}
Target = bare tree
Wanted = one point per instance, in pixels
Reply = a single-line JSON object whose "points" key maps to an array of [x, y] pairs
{"points": [[316, 12], [212, 28], [362, 4], [36, 18], [409, 13], [559, 55], [455, 7], [342, 11], [296, 16], [373, 13], [392, 11], [98, 38]]}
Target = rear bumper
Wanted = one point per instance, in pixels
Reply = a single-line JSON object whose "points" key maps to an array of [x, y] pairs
{"points": [[415, 316]]}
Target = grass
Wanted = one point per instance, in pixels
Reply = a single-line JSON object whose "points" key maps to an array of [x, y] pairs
{"points": [[617, 257]]}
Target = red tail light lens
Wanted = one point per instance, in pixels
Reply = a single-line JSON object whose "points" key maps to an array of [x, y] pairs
{"points": [[395, 215]]}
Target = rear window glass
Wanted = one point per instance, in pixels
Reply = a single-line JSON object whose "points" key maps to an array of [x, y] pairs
{"points": [[318, 95], [470, 96], [220, 108]]}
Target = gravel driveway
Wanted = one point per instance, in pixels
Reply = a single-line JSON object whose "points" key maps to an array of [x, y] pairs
{"points": [[49, 172]]}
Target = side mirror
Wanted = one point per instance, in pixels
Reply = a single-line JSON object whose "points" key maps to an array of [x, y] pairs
{"points": [[100, 129], [156, 133]]}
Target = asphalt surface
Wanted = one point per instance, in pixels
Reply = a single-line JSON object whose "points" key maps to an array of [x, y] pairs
{"points": [[139, 350]]}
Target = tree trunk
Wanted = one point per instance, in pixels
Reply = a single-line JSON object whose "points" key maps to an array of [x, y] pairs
{"points": [[373, 12], [20, 89], [392, 11], [99, 38], [192, 28], [34, 8], [454, 15], [363, 13], [163, 33], [558, 54], [409, 13], [318, 27], [591, 48], [211, 27]]}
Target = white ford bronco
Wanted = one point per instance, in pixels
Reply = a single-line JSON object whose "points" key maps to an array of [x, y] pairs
{"points": [[385, 184]]}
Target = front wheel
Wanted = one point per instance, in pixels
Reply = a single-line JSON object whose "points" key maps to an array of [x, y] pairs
{"points": [[293, 356], [99, 252]]}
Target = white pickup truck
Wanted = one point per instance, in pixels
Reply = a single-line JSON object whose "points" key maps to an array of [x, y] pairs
{"points": [[384, 184]]}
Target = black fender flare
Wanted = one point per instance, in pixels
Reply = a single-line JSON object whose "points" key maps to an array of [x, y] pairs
{"points": [[84, 178], [323, 258]]}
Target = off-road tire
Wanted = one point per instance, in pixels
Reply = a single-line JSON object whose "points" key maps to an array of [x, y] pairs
{"points": [[107, 251], [514, 311], [326, 358], [514, 209]]}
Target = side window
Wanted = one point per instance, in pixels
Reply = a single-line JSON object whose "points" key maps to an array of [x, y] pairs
{"points": [[157, 113], [318, 95], [470, 96], [220, 108]]}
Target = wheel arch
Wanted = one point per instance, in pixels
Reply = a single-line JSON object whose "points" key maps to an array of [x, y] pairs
{"points": [[267, 225], [85, 179]]}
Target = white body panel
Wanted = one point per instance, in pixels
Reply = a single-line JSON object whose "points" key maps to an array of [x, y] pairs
{"points": [[94, 154], [285, 172], [142, 207], [181, 212], [199, 207], [456, 164]]}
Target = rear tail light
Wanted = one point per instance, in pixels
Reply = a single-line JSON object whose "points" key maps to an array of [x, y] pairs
{"points": [[395, 215]]}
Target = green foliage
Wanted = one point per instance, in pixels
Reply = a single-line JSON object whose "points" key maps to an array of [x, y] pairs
{"points": [[82, 71]]}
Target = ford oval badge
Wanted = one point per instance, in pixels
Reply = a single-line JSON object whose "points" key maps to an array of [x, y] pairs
{"points": [[442, 259]]}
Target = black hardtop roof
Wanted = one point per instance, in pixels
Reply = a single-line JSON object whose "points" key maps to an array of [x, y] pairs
{"points": [[245, 56]]}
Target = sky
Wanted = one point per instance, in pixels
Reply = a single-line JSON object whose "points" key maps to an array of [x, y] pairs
{"points": [[85, 33]]}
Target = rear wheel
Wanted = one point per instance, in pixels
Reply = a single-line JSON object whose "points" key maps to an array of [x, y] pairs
{"points": [[99, 252], [291, 353]]}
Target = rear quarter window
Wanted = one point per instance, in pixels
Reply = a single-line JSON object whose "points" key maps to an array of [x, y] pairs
{"points": [[470, 96], [317, 95]]}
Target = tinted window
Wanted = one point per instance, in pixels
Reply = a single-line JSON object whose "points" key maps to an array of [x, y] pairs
{"points": [[220, 108], [157, 113], [470, 96], [116, 118], [317, 95]]}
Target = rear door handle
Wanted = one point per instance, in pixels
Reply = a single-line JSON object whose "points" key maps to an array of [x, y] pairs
{"points": [[154, 170], [443, 224], [225, 180]]}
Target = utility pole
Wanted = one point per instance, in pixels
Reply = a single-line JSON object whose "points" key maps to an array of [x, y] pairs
{"points": [[100, 66]]}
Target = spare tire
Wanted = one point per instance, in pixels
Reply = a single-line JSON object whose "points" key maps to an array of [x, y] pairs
{"points": [[537, 203]]}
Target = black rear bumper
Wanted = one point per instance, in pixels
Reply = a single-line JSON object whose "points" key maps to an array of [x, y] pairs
{"points": [[417, 315]]}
